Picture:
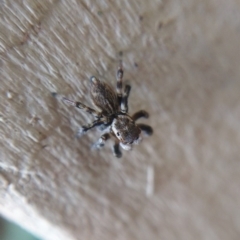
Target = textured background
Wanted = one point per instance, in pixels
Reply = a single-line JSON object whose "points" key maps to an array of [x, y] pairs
{"points": [[182, 60]]}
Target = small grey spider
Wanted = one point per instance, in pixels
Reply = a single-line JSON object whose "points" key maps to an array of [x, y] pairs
{"points": [[113, 118]]}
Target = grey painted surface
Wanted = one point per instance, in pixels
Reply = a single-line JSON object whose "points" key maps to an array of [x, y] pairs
{"points": [[183, 182]]}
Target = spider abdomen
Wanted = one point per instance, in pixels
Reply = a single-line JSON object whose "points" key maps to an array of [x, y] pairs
{"points": [[103, 96]]}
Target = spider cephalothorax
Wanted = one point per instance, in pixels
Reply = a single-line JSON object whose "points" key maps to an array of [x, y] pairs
{"points": [[113, 117]]}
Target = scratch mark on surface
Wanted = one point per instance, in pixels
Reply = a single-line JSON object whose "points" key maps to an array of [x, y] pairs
{"points": [[150, 181]]}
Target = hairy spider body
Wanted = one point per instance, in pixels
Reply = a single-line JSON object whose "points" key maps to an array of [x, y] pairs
{"points": [[103, 97], [113, 115]]}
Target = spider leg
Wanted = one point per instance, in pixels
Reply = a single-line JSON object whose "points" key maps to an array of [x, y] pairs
{"points": [[101, 141], [119, 82], [124, 102], [103, 126], [146, 129], [116, 149], [140, 114], [83, 107], [84, 129]]}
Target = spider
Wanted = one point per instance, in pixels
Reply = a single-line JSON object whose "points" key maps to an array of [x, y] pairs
{"points": [[113, 119]]}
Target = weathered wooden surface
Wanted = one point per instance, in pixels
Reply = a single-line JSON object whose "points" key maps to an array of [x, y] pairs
{"points": [[182, 60]]}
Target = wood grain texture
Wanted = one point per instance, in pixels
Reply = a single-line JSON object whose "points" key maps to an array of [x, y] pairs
{"points": [[182, 60]]}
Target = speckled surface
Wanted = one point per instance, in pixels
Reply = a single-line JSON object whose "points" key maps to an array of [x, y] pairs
{"points": [[182, 60]]}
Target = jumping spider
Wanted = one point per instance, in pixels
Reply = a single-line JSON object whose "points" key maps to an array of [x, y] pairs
{"points": [[113, 117]]}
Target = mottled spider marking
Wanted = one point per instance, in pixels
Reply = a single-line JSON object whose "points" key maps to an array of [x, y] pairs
{"points": [[103, 96]]}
